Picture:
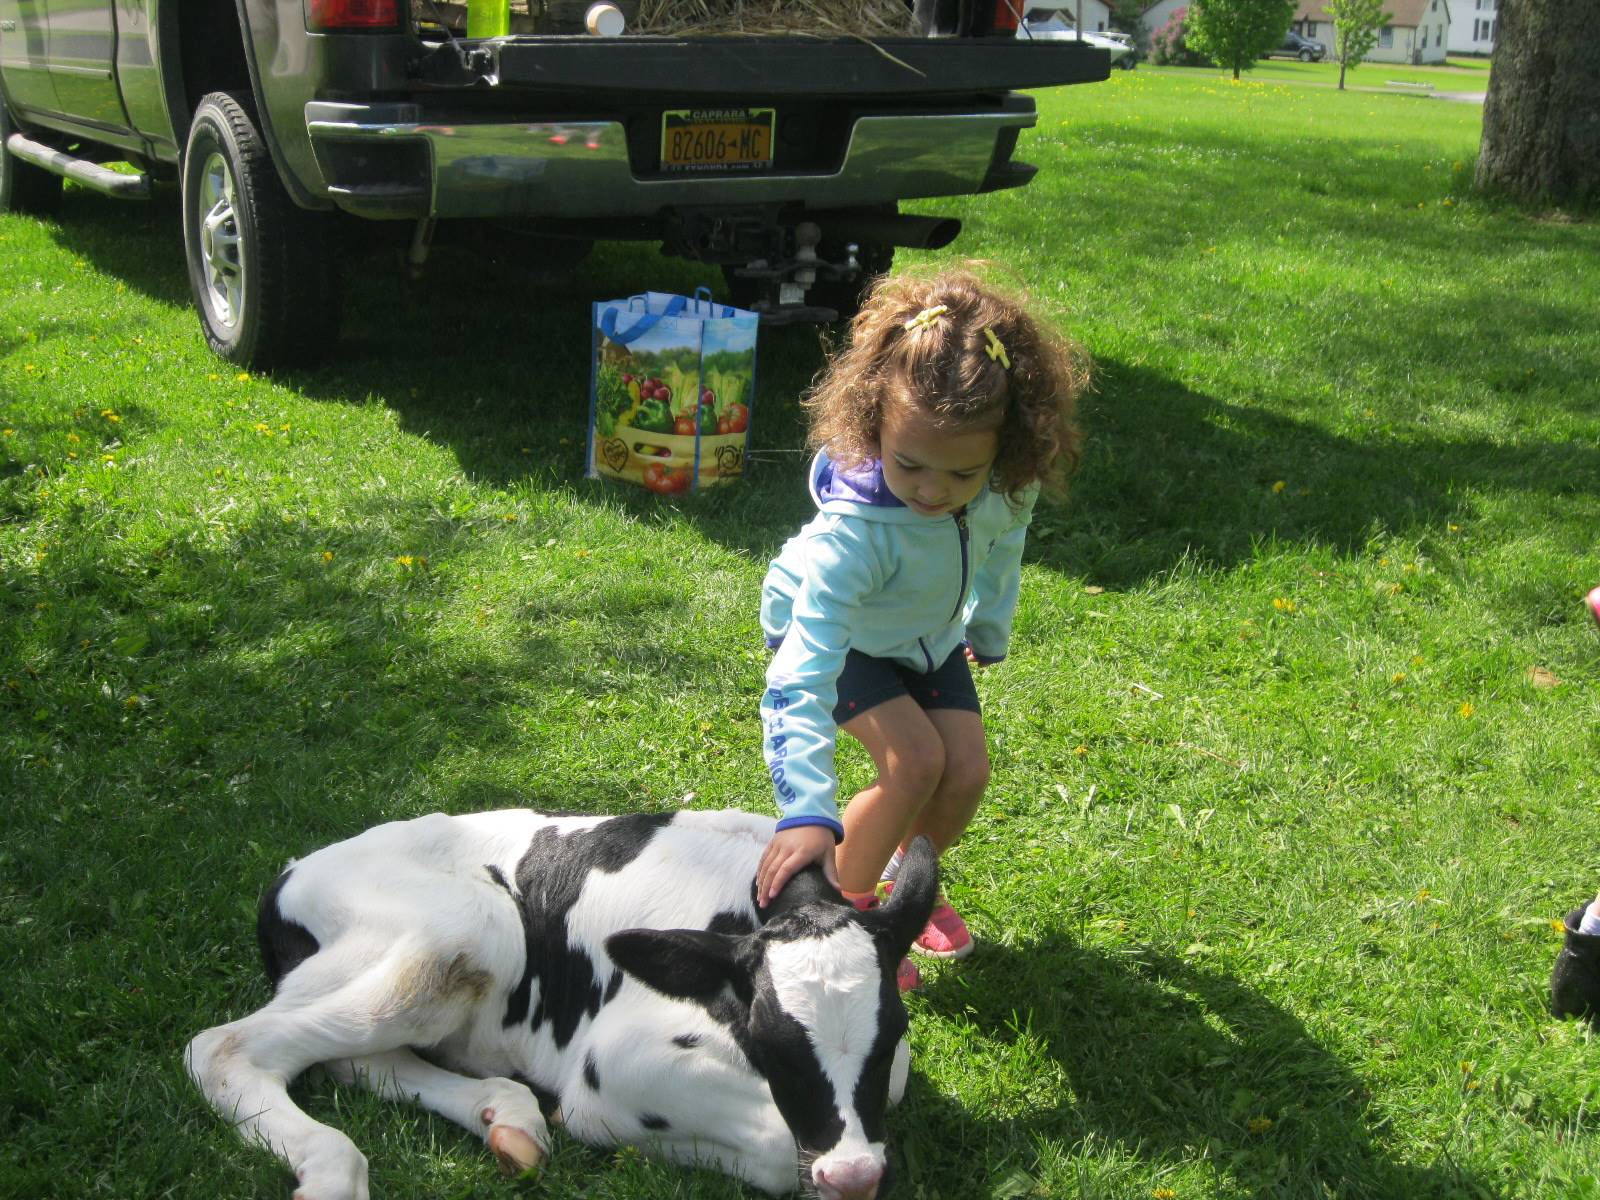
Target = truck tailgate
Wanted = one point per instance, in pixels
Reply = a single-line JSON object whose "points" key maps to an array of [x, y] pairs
{"points": [[772, 67]]}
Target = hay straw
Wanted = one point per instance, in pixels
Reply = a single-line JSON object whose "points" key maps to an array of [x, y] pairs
{"points": [[819, 18], [705, 18]]}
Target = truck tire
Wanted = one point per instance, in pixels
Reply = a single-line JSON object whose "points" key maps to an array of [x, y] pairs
{"points": [[262, 269], [24, 188]]}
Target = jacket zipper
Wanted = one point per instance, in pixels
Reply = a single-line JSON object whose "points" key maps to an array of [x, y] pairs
{"points": [[961, 533]]}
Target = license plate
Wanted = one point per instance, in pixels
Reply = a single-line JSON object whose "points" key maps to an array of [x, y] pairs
{"points": [[706, 139]]}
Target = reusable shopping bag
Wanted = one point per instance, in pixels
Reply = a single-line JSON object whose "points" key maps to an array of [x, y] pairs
{"points": [[670, 389]]}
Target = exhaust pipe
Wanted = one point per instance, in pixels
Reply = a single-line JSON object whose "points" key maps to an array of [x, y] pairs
{"points": [[889, 229]]}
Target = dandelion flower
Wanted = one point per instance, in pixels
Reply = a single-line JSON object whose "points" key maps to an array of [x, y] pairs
{"points": [[1466, 710], [1259, 1124], [1278, 487]]}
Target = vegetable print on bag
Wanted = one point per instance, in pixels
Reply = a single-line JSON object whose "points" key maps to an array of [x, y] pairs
{"points": [[670, 390]]}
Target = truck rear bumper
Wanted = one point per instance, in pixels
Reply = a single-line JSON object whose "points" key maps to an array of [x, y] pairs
{"points": [[385, 160]]}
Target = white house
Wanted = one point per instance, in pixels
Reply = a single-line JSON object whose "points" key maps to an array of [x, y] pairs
{"points": [[1096, 13], [1416, 32], [1472, 29]]}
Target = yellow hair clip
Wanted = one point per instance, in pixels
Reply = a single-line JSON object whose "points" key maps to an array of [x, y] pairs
{"points": [[996, 349], [926, 317]]}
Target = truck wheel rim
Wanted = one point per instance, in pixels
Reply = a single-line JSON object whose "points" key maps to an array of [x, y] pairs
{"points": [[220, 251]]}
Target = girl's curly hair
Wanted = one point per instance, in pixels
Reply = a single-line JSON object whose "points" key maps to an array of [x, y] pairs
{"points": [[942, 369]]}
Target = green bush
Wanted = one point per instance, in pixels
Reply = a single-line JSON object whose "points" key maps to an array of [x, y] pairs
{"points": [[1169, 45]]}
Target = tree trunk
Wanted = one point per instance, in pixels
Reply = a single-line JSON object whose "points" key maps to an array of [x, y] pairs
{"points": [[1541, 118], [1342, 65]]}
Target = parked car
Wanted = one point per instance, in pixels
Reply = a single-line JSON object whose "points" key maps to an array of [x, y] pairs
{"points": [[1053, 26], [781, 160], [1295, 45]]}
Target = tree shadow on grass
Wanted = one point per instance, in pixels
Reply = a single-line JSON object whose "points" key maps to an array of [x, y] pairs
{"points": [[478, 358], [1168, 1063], [1171, 474]]}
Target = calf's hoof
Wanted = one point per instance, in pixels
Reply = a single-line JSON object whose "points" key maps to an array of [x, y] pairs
{"points": [[514, 1149], [333, 1170]]}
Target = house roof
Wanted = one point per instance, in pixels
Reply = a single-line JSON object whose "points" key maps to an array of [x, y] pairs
{"points": [[1405, 14]]}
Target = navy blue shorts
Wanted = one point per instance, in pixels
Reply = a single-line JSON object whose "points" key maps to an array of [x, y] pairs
{"points": [[867, 682]]}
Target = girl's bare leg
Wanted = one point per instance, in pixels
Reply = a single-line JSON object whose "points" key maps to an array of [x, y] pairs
{"points": [[948, 812], [909, 752]]}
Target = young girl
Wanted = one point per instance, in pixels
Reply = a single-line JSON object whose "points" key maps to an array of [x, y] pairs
{"points": [[935, 428]]}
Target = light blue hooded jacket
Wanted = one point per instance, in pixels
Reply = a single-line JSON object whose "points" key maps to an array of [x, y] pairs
{"points": [[869, 574]]}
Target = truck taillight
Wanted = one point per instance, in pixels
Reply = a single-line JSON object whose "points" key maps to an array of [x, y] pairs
{"points": [[1006, 15], [352, 14]]}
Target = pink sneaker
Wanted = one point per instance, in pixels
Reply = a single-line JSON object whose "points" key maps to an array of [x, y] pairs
{"points": [[945, 935], [1593, 600], [906, 976]]}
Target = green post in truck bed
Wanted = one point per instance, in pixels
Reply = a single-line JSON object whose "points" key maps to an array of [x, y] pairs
{"points": [[782, 160]]}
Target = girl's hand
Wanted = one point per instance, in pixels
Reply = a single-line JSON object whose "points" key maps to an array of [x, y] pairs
{"points": [[789, 851], [973, 658]]}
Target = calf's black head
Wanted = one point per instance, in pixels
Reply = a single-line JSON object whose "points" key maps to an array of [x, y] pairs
{"points": [[811, 999]]}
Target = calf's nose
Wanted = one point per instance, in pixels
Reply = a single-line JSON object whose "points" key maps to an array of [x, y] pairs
{"points": [[848, 1179]]}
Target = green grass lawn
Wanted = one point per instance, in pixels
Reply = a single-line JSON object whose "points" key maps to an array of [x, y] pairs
{"points": [[1461, 75], [1294, 757]]}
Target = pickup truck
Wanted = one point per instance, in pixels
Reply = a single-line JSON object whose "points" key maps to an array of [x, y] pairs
{"points": [[780, 159]]}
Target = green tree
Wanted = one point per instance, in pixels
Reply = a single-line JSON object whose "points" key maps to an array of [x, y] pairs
{"points": [[1355, 25], [1234, 33]]}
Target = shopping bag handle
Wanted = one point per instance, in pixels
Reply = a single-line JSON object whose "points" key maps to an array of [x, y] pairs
{"points": [[647, 322], [702, 295]]}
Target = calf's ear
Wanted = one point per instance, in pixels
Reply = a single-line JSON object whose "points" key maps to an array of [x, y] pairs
{"points": [[916, 886], [683, 963]]}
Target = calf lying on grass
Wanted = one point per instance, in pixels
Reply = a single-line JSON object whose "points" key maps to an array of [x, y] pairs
{"points": [[615, 968]]}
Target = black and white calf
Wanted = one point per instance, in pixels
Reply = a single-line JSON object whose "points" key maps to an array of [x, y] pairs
{"points": [[616, 969]]}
